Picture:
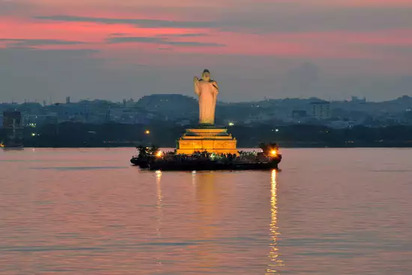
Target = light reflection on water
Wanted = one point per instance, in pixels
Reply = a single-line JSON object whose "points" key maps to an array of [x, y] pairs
{"points": [[275, 261], [329, 211]]}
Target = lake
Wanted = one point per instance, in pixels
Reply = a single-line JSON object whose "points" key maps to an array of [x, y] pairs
{"points": [[329, 211]]}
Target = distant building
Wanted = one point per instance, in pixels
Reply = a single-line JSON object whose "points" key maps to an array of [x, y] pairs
{"points": [[408, 116], [34, 121], [12, 119], [128, 116], [13, 125], [68, 100], [298, 114], [321, 110]]}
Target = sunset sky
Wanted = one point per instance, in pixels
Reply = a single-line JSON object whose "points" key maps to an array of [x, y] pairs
{"points": [[112, 49]]}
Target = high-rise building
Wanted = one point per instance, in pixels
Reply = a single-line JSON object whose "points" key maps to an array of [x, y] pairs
{"points": [[321, 110], [13, 125]]}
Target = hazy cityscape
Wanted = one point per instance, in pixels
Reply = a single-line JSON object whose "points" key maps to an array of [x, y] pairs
{"points": [[290, 121]]}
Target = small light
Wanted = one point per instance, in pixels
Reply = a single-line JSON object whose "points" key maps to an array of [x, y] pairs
{"points": [[277, 130], [33, 134], [159, 154], [147, 132], [231, 124], [273, 153]]}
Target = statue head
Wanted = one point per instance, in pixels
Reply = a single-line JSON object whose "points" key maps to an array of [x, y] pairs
{"points": [[206, 75]]}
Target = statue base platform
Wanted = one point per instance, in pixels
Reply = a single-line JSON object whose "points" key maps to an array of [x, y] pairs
{"points": [[210, 139]]}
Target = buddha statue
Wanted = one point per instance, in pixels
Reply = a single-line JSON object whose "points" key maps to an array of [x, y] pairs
{"points": [[206, 89]]}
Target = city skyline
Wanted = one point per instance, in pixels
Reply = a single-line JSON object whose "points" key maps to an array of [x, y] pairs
{"points": [[69, 99], [255, 49]]}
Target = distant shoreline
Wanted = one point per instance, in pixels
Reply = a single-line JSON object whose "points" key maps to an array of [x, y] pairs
{"points": [[246, 148], [165, 134]]}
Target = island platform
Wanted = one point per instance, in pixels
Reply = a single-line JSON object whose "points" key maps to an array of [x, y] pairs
{"points": [[152, 158]]}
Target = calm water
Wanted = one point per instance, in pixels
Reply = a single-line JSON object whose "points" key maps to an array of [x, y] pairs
{"points": [[329, 211]]}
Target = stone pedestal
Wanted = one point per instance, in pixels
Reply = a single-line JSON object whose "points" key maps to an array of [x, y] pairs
{"points": [[212, 140]]}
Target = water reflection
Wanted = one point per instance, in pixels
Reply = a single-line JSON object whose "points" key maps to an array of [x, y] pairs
{"points": [[207, 216], [159, 206], [275, 262], [159, 203]]}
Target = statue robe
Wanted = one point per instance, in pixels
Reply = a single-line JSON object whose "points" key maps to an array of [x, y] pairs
{"points": [[207, 92]]}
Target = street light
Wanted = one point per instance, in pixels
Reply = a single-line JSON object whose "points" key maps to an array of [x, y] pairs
{"points": [[147, 132]]}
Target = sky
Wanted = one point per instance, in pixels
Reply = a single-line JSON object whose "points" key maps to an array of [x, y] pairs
{"points": [[255, 49]]}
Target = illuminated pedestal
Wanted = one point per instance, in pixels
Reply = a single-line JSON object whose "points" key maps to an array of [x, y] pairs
{"points": [[212, 140]]}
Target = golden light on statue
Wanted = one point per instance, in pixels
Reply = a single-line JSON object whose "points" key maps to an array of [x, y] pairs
{"points": [[207, 137], [273, 153], [159, 154], [147, 132]]}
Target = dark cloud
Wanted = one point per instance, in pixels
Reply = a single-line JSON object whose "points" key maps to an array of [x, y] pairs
{"points": [[276, 17], [119, 34], [165, 49], [161, 41], [304, 18], [147, 23], [37, 42], [186, 35], [390, 50]]}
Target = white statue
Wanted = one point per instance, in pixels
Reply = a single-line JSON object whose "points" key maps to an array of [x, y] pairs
{"points": [[207, 91]]}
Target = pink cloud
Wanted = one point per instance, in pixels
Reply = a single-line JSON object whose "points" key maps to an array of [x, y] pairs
{"points": [[309, 45]]}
